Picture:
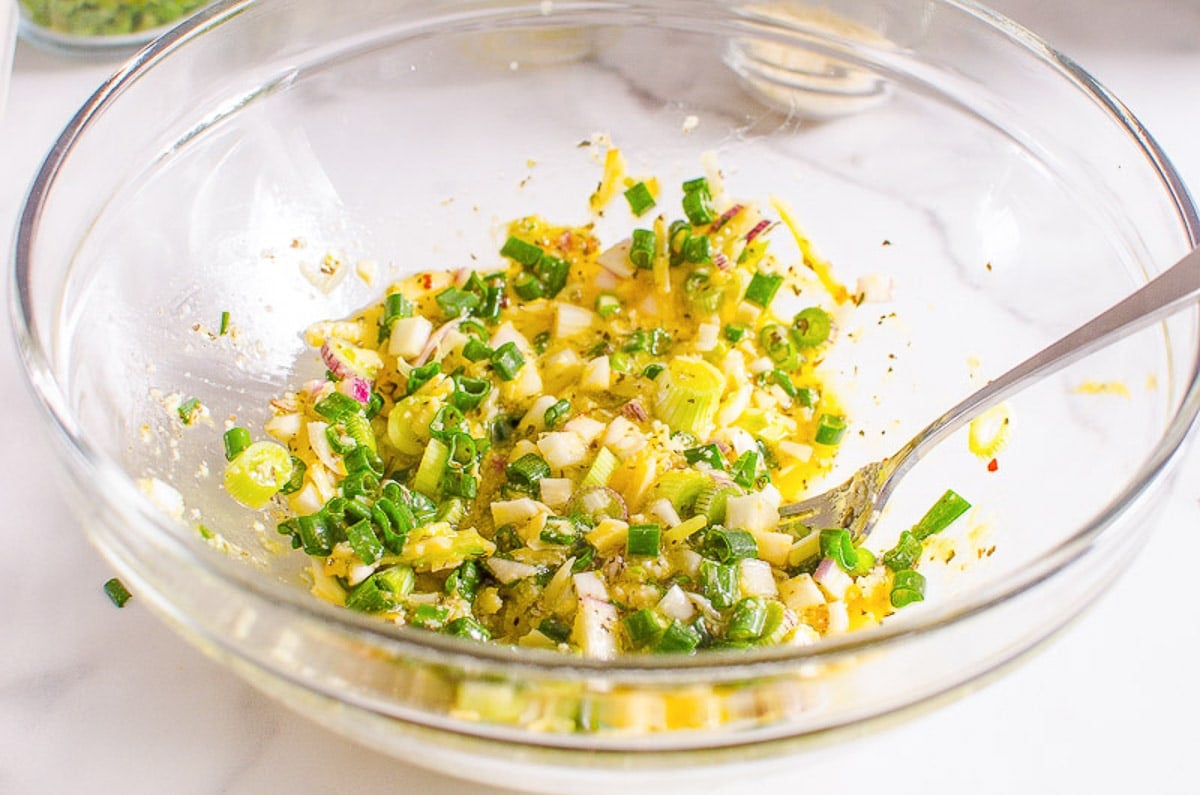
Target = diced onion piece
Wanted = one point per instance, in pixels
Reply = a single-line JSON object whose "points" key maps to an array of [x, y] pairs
{"points": [[535, 418], [754, 513], [563, 449], [615, 260], [610, 534], [319, 443], [664, 510], [595, 618], [798, 451], [624, 438], [409, 336], [875, 288], [284, 427], [755, 578], [775, 548], [597, 375], [839, 618], [515, 511], [345, 359], [556, 492], [564, 364], [527, 383], [676, 605], [707, 337], [801, 592], [506, 332], [509, 571], [833, 581], [570, 320], [587, 428]]}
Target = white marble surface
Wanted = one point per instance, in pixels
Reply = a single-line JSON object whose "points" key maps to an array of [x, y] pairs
{"points": [[98, 700]]}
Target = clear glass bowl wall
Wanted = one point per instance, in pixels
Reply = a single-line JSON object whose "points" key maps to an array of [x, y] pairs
{"points": [[1015, 197]]}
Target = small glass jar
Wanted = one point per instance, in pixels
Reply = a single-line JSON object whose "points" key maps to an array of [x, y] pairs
{"points": [[101, 25]]}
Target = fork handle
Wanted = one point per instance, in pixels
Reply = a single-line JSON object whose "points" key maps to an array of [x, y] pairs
{"points": [[1163, 295]]}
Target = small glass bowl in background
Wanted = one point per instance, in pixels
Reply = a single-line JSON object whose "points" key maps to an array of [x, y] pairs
{"points": [[111, 26]]}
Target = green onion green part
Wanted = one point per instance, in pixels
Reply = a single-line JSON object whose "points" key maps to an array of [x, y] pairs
{"points": [[116, 591]]}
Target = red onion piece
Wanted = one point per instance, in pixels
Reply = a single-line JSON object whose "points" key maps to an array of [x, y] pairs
{"points": [[359, 389], [758, 229], [726, 217]]}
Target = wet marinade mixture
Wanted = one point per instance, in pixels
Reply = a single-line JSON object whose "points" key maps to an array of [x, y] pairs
{"points": [[585, 448]]}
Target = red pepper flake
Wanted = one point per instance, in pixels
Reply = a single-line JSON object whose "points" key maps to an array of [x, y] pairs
{"points": [[758, 229], [726, 217], [993, 465], [427, 281], [634, 411]]}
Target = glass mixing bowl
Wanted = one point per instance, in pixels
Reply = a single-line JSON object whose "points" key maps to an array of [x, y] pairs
{"points": [[1005, 195]]}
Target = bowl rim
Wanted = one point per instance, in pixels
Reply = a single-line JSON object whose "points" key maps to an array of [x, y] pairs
{"points": [[420, 644]]}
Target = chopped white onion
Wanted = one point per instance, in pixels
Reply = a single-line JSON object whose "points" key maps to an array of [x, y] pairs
{"points": [[675, 604], [570, 320], [755, 578], [563, 449], [833, 581], [587, 428], [515, 511], [556, 492], [509, 571], [615, 259], [664, 510]]}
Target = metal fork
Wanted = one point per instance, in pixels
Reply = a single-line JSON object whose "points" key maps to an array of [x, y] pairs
{"points": [[857, 503]]}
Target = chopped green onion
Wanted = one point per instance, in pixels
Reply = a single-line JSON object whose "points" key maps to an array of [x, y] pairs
{"points": [[864, 563], [643, 539], [553, 273], [116, 591], [678, 637], [607, 305], [428, 616], [697, 249], [905, 554], [557, 413], [762, 288], [677, 236], [445, 422], [457, 483], [709, 454], [778, 346], [652, 371], [528, 287], [811, 327], [554, 629], [419, 376], [644, 626], [727, 546], [807, 397], [236, 440], [527, 470], [428, 477], [296, 481], [908, 586], [224, 328], [503, 427], [364, 542], [784, 382], [640, 199], [476, 351], [507, 361], [697, 202], [469, 392], [621, 362], [949, 507], [258, 473], [493, 302], [746, 469], [748, 619], [188, 410], [719, 583], [641, 248], [518, 250], [541, 342], [837, 544], [382, 590], [464, 581], [455, 302], [335, 406], [601, 470], [395, 306], [559, 530], [467, 627], [830, 429], [735, 333]]}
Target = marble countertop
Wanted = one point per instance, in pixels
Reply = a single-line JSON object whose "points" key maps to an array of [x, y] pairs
{"points": [[96, 700]]}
